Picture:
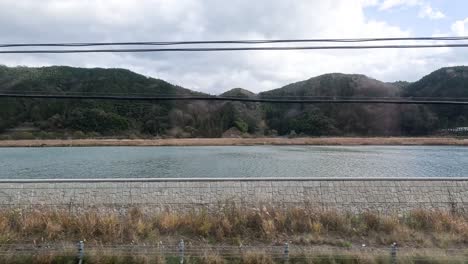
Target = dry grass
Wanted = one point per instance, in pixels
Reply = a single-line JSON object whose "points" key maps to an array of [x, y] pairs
{"points": [[257, 258], [235, 226], [212, 258], [237, 141]]}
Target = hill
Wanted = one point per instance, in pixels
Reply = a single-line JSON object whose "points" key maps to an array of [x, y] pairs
{"points": [[89, 117], [81, 80], [450, 82], [40, 118], [238, 92], [247, 117], [336, 84], [445, 82], [335, 119]]}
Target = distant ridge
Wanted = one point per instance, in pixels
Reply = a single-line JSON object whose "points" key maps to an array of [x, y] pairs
{"points": [[78, 119], [337, 84], [238, 92]]}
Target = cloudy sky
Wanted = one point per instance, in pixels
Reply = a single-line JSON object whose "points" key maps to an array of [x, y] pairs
{"points": [[169, 20]]}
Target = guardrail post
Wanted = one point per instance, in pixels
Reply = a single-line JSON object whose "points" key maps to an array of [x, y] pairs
{"points": [[286, 252], [181, 251], [393, 253], [80, 252]]}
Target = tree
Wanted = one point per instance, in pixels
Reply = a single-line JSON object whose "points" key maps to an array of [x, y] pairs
{"points": [[3, 125], [312, 123], [241, 125], [96, 120]]}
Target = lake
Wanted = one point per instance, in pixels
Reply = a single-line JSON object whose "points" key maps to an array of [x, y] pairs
{"points": [[234, 161]]}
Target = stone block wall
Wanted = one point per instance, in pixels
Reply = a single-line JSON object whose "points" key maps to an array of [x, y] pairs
{"points": [[350, 194]]}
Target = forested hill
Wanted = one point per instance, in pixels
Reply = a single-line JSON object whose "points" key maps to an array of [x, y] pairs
{"points": [[93, 117], [40, 118], [331, 119], [69, 79], [447, 83], [337, 84]]}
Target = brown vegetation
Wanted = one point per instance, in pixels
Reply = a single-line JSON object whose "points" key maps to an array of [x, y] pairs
{"points": [[234, 226], [238, 141]]}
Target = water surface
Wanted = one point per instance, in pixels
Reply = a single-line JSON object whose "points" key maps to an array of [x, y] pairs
{"points": [[234, 161]]}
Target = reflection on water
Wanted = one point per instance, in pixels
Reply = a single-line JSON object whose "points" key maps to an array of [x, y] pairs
{"points": [[235, 161]]}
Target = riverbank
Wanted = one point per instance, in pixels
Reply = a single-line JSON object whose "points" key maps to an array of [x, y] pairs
{"points": [[332, 141], [387, 196]]}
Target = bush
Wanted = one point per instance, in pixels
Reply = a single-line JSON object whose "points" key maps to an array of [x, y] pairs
{"points": [[96, 120], [241, 125], [292, 134], [78, 134], [3, 125], [132, 136], [22, 135], [5, 137], [45, 135]]}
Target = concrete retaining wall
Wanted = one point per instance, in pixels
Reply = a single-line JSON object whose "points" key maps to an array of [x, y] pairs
{"points": [[350, 194]]}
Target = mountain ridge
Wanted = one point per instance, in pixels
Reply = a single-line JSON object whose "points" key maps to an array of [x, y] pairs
{"points": [[202, 119]]}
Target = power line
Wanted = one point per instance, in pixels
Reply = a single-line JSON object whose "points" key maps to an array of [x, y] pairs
{"points": [[220, 98], [261, 96], [257, 41], [353, 47]]}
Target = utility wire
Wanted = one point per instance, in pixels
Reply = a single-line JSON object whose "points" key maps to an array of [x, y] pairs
{"points": [[257, 41], [220, 98], [117, 50], [260, 96]]}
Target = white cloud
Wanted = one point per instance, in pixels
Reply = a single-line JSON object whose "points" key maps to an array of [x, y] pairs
{"points": [[460, 27], [389, 4], [367, 3], [429, 12], [425, 9], [153, 20]]}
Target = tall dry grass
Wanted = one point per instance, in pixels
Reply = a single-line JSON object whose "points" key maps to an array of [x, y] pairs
{"points": [[234, 226]]}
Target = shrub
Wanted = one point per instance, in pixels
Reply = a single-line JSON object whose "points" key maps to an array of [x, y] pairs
{"points": [[78, 134], [241, 125], [22, 135], [5, 137], [96, 120]]}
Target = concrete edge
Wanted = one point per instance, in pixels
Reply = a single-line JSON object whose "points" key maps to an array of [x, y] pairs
{"points": [[464, 179]]}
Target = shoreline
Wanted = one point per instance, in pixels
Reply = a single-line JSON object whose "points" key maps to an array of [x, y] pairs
{"points": [[308, 141]]}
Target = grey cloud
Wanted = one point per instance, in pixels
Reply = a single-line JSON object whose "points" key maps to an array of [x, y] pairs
{"points": [[153, 20]]}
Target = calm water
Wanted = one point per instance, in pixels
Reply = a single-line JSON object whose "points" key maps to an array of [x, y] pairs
{"points": [[252, 161]]}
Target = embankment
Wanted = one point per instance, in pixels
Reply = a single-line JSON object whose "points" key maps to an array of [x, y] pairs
{"points": [[342, 194], [238, 142]]}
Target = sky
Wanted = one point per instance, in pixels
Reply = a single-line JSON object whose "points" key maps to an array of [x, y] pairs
{"points": [[33, 21]]}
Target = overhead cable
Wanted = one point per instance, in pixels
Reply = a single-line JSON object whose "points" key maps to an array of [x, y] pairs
{"points": [[220, 98], [253, 41]]}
